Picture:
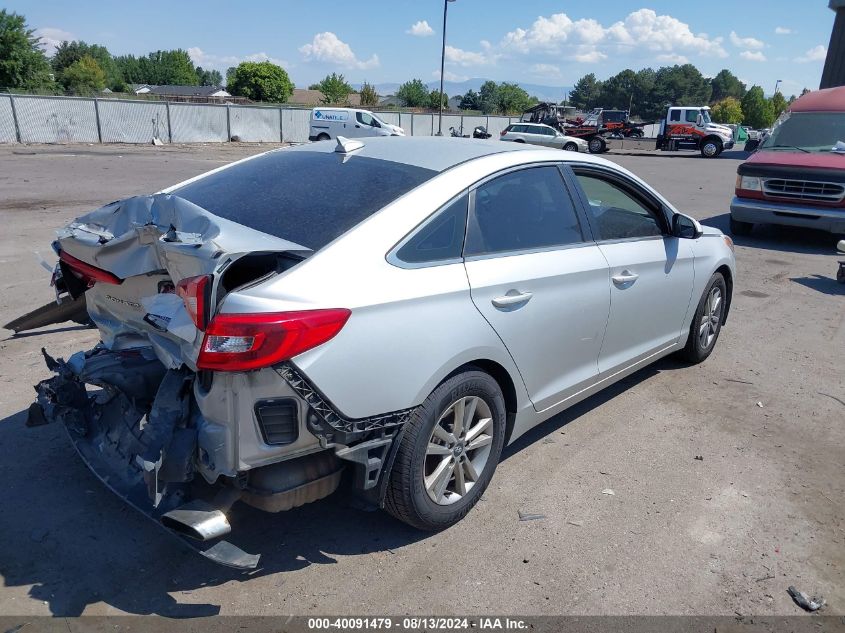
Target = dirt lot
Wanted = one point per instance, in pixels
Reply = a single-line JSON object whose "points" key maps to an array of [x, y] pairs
{"points": [[763, 509]]}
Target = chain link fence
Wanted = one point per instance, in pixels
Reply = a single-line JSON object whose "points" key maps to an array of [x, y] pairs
{"points": [[53, 119]]}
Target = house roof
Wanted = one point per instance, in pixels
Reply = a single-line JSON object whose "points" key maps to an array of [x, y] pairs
{"points": [[189, 91], [315, 97]]}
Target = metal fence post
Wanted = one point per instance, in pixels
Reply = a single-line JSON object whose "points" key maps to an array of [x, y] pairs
{"points": [[97, 117], [228, 123], [15, 118], [169, 129], [281, 126]]}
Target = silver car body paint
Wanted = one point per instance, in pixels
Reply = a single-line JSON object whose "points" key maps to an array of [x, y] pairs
{"points": [[410, 326]]}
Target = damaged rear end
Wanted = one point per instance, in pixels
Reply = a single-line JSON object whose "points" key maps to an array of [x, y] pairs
{"points": [[177, 409]]}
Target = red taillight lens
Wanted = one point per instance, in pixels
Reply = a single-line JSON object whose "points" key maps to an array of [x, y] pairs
{"points": [[194, 292], [240, 342], [86, 273], [503, 132]]}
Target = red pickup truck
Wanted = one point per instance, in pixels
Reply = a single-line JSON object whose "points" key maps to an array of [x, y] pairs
{"points": [[797, 176]]}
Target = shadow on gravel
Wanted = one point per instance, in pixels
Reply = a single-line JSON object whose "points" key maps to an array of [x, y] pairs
{"points": [[772, 237], [77, 544], [825, 285]]}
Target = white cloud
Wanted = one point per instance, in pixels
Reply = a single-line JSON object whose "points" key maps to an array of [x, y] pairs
{"points": [[782, 30], [470, 58], [449, 76], [420, 29], [753, 56], [815, 54], [222, 62], [672, 58], [52, 37], [545, 70], [327, 47], [587, 39], [746, 42]]}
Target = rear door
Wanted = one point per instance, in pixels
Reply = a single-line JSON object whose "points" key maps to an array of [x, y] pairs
{"points": [[651, 272], [538, 278]]}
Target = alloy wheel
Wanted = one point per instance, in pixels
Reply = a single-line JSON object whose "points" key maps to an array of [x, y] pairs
{"points": [[709, 325], [458, 450]]}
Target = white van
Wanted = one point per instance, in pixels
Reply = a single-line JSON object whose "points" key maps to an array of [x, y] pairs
{"points": [[329, 123]]}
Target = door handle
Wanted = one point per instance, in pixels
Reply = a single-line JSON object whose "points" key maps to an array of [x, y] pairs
{"points": [[512, 298], [625, 277]]}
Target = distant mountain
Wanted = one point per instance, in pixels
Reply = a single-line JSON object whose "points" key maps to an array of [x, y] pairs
{"points": [[453, 88]]}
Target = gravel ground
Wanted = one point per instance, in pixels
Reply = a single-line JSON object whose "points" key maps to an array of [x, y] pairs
{"points": [[763, 509]]}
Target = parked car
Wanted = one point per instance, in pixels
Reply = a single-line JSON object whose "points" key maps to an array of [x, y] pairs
{"points": [[329, 123], [391, 310], [797, 175], [541, 134]]}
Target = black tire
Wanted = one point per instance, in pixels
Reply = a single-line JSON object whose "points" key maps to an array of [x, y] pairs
{"points": [[738, 227], [323, 137], [518, 140], [840, 274], [596, 145], [696, 351], [711, 147], [636, 134], [570, 147], [406, 497]]}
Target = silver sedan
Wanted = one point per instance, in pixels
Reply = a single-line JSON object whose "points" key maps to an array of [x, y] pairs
{"points": [[394, 311], [542, 134]]}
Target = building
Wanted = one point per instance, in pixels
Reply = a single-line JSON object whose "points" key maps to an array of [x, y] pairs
{"points": [[304, 97], [184, 92], [834, 66]]}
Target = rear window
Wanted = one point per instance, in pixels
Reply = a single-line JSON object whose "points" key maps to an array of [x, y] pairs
{"points": [[309, 198]]}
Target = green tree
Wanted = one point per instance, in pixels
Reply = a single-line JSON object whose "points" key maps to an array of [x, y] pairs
{"points": [[68, 53], [488, 97], [726, 84], [586, 92], [335, 89], [618, 91], [680, 85], [23, 64], [160, 68], [511, 99], [728, 110], [368, 95], [470, 101], [260, 81], [84, 76], [779, 104], [209, 77], [414, 94], [756, 109], [434, 100]]}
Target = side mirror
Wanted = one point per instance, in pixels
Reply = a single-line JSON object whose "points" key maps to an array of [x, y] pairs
{"points": [[699, 120], [686, 227]]}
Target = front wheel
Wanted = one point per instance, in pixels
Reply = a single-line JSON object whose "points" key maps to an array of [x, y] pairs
{"points": [[323, 137], [570, 147], [707, 321], [448, 452], [738, 227], [711, 148]]}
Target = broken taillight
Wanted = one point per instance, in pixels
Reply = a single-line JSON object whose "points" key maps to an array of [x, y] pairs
{"points": [[241, 342], [195, 292], [86, 273]]}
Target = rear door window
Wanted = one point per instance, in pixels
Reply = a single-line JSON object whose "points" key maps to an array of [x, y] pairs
{"points": [[522, 210], [441, 238]]}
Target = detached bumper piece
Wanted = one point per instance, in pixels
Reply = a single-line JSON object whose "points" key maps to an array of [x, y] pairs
{"points": [[138, 436], [369, 443]]}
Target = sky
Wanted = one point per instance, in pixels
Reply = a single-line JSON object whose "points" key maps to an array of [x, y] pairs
{"points": [[535, 41]]}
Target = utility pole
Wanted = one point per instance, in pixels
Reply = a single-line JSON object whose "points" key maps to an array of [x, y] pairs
{"points": [[442, 68]]}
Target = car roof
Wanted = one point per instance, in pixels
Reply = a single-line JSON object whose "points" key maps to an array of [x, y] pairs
{"points": [[437, 153], [827, 100]]}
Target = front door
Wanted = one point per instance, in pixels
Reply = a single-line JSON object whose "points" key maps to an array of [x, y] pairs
{"points": [[651, 272], [538, 279]]}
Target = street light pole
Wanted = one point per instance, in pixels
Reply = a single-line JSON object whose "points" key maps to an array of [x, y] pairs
{"points": [[442, 68], [777, 83]]}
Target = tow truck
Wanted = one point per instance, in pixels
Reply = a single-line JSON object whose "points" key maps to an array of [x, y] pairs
{"points": [[683, 127]]}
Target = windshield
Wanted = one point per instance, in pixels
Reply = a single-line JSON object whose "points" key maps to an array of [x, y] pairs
{"points": [[285, 193], [809, 131], [705, 114], [383, 124]]}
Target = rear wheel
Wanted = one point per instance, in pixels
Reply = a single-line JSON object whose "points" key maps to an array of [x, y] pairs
{"points": [[518, 140], [448, 452], [597, 145], [738, 227], [570, 147], [707, 321], [323, 137]]}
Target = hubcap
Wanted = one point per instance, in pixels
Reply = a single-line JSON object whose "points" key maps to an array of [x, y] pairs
{"points": [[709, 325], [710, 149], [458, 450]]}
